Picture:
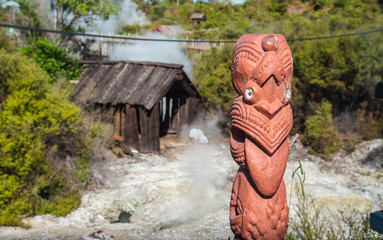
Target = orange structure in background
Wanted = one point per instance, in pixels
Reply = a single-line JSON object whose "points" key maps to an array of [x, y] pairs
{"points": [[261, 118]]}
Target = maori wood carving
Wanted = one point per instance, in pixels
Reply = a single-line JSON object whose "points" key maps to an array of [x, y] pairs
{"points": [[261, 118]]}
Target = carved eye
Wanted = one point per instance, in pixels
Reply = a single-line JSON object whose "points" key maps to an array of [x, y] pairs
{"points": [[249, 93], [252, 92]]}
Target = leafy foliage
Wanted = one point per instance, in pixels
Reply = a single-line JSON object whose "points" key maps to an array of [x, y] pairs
{"points": [[70, 13], [342, 71], [320, 133], [136, 29], [213, 80], [39, 130], [367, 125], [55, 60], [28, 8]]}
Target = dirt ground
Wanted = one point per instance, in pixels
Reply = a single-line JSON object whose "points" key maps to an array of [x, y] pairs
{"points": [[184, 192]]}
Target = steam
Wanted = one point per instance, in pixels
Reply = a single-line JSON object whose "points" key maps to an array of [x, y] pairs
{"points": [[208, 181], [128, 14], [207, 171], [165, 52]]}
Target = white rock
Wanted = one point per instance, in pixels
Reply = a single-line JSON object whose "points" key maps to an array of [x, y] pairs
{"points": [[197, 135]]}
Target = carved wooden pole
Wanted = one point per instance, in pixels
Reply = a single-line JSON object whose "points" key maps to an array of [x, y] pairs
{"points": [[261, 118]]}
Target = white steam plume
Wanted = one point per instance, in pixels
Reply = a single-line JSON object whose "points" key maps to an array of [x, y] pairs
{"points": [[128, 14], [207, 172], [165, 52]]}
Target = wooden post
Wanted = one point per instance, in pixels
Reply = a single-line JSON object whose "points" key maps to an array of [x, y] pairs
{"points": [[260, 124], [174, 122], [182, 115], [165, 124], [131, 126], [190, 109], [150, 129], [118, 133]]}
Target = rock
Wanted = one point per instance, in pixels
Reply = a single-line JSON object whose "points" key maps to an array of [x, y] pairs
{"points": [[345, 204], [296, 147], [97, 235], [198, 136]]}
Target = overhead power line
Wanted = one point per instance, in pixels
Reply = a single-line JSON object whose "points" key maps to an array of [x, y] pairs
{"points": [[336, 36], [110, 36], [172, 40]]}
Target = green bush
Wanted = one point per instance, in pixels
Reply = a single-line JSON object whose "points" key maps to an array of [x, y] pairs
{"points": [[39, 130], [96, 130], [320, 134]]}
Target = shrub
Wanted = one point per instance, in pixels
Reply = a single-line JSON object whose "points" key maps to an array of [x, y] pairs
{"points": [[39, 130], [320, 134], [314, 223]]}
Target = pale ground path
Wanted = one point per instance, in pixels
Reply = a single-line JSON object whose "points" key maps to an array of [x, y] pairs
{"points": [[185, 193]]}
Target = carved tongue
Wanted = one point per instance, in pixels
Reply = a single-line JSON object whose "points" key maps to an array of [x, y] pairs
{"points": [[266, 171]]}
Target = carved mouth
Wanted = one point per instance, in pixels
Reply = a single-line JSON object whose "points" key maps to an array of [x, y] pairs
{"points": [[266, 132]]}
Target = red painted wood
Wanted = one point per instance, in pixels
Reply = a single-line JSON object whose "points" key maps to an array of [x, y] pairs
{"points": [[261, 119]]}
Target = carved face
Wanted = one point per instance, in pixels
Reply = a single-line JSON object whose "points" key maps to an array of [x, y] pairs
{"points": [[262, 70]]}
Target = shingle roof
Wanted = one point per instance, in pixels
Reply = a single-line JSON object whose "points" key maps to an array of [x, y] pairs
{"points": [[133, 83], [198, 17]]}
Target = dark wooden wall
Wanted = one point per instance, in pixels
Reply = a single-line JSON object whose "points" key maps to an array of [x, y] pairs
{"points": [[150, 129]]}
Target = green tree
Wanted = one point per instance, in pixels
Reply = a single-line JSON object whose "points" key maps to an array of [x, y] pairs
{"points": [[70, 14], [320, 134], [213, 80]]}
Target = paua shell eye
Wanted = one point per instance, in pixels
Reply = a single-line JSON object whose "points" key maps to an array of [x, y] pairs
{"points": [[252, 92], [249, 93]]}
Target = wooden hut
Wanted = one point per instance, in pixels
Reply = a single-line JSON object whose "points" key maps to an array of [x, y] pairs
{"points": [[150, 99]]}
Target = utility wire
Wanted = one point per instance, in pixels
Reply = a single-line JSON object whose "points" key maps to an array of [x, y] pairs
{"points": [[172, 40], [110, 36], [335, 36]]}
